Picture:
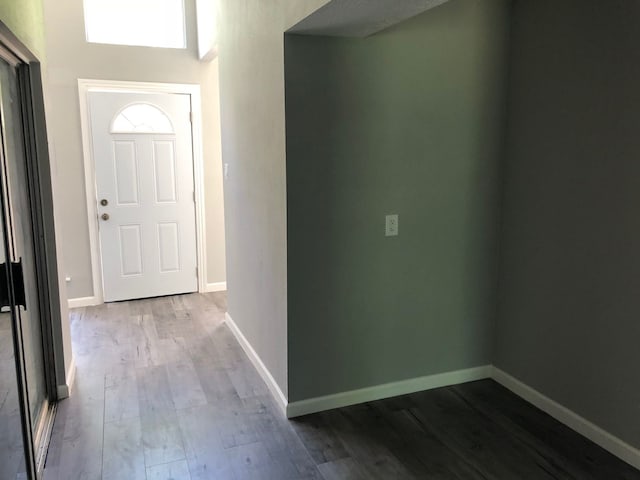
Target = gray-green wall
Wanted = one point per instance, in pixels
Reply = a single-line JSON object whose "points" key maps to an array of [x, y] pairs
{"points": [[408, 121], [569, 316], [25, 19]]}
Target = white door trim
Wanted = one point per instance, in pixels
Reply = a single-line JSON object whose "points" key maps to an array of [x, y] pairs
{"points": [[84, 87]]}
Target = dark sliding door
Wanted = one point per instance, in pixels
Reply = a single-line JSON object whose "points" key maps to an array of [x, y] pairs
{"points": [[12, 452], [26, 374]]}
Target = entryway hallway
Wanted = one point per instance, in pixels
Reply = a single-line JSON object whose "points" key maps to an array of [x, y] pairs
{"points": [[164, 391]]}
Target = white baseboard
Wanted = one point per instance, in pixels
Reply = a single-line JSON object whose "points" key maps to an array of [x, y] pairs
{"points": [[264, 372], [609, 442], [596, 434], [91, 301], [64, 391], [83, 302], [216, 287], [387, 390]]}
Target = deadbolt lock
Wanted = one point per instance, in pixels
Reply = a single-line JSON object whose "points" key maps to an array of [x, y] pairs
{"points": [[104, 202], [105, 216]]}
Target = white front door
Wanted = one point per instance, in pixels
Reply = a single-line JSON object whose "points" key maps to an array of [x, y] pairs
{"points": [[142, 151]]}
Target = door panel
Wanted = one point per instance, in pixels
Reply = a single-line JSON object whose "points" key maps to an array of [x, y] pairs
{"points": [[26, 402], [145, 186], [168, 241], [131, 250], [12, 457], [21, 247], [126, 171], [165, 171]]}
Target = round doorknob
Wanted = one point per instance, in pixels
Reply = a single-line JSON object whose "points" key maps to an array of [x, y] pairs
{"points": [[105, 216]]}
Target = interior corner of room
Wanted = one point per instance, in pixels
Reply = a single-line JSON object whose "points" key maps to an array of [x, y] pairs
{"points": [[501, 134]]}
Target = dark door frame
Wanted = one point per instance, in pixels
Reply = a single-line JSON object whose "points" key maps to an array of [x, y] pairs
{"points": [[38, 168]]}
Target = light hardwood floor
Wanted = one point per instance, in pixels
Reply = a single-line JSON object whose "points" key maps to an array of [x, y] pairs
{"points": [[165, 392]]}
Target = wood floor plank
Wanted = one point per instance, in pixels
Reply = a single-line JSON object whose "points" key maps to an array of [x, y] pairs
{"points": [[210, 464], [209, 319], [342, 469], [146, 345], [219, 300], [154, 392], [51, 473], [123, 454], [320, 440], [162, 439], [484, 444], [85, 409], [175, 350], [186, 389], [201, 427], [216, 384], [121, 397], [81, 456], [141, 307], [170, 471], [359, 428], [280, 440], [228, 347], [202, 350], [236, 431], [246, 380], [12, 465], [247, 459], [422, 452], [568, 450]]}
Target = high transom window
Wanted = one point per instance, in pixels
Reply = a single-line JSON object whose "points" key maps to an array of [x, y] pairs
{"points": [[147, 23]]}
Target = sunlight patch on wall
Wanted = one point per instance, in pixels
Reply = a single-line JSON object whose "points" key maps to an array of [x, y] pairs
{"points": [[207, 29]]}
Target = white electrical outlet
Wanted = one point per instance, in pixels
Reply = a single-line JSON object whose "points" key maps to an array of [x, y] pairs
{"points": [[391, 226]]}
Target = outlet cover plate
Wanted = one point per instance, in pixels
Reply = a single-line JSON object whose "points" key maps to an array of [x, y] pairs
{"points": [[391, 225]]}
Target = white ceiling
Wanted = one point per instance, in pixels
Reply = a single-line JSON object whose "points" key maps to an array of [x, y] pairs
{"points": [[360, 18]]}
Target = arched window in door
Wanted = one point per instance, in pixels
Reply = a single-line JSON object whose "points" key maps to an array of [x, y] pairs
{"points": [[141, 118]]}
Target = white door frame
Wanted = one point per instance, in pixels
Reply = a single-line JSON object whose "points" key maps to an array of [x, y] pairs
{"points": [[84, 87]]}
